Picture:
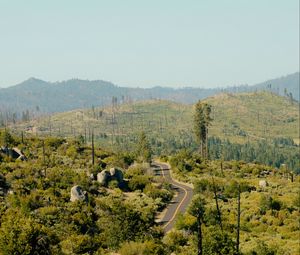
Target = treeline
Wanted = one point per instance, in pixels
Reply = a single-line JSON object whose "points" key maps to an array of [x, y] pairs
{"points": [[280, 152]]}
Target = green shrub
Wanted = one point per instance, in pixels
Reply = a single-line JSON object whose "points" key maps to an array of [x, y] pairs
{"points": [[138, 182]]}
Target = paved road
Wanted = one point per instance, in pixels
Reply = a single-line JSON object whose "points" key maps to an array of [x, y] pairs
{"points": [[180, 201]]}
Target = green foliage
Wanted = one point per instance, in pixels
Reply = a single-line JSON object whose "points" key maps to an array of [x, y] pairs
{"points": [[197, 206], [6, 139], [138, 182], [22, 235], [217, 242], [186, 222], [113, 184], [202, 120], [119, 222], [263, 249], [175, 239], [157, 192], [263, 151], [232, 188], [143, 152], [145, 248], [54, 142], [296, 201], [186, 161], [39, 194], [202, 186], [48, 223], [269, 203], [79, 244]]}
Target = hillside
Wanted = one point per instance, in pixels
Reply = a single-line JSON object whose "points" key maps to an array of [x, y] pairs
{"points": [[260, 115], [237, 117], [261, 119], [38, 96]]}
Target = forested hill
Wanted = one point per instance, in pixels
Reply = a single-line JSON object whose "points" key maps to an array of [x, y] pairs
{"points": [[37, 96]]}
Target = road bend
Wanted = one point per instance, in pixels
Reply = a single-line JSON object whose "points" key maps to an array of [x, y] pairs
{"points": [[179, 202]]}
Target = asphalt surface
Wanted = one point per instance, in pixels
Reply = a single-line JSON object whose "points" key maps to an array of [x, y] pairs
{"points": [[179, 202]]}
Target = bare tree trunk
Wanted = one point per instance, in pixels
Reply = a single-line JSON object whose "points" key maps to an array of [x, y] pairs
{"points": [[200, 252], [238, 221], [222, 172], [93, 149], [201, 149], [206, 143], [43, 152], [217, 204]]}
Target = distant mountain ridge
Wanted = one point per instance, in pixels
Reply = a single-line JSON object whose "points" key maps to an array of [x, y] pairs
{"points": [[36, 95]]}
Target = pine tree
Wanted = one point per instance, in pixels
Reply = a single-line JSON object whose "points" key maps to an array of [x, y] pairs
{"points": [[144, 151], [202, 120]]}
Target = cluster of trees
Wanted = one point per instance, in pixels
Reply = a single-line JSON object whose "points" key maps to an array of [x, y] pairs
{"points": [[274, 153]]}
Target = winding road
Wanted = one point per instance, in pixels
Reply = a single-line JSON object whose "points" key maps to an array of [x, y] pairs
{"points": [[179, 202]]}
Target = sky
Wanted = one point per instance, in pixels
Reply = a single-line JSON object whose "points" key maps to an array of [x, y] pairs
{"points": [[143, 43]]}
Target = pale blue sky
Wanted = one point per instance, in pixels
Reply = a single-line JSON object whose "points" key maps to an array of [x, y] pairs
{"points": [[203, 43]]}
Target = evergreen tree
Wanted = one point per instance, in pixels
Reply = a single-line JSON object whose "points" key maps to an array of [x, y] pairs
{"points": [[202, 120], [6, 138], [144, 151]]}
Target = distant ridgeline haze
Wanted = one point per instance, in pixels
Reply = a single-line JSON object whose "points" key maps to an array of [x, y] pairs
{"points": [[35, 97]]}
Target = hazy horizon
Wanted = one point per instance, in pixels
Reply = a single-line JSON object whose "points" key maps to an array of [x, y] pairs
{"points": [[144, 44], [157, 85]]}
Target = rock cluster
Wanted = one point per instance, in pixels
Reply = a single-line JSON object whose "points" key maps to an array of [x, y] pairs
{"points": [[112, 174]]}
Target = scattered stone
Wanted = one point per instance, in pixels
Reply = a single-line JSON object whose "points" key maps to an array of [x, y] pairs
{"points": [[92, 176], [112, 171], [103, 177], [116, 174], [77, 193], [263, 184]]}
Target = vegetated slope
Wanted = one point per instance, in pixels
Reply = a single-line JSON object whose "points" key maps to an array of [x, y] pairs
{"points": [[238, 117], [39, 212], [262, 115], [259, 126], [39, 96]]}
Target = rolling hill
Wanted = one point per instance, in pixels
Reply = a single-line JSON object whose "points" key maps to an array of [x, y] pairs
{"points": [[237, 117], [38, 97]]}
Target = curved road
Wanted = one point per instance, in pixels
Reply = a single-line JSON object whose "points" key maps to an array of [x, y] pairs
{"points": [[179, 203]]}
